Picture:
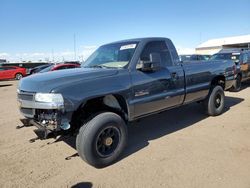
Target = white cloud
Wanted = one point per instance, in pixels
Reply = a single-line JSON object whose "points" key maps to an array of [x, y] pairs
{"points": [[82, 53], [66, 53], [43, 56], [37, 54], [4, 54]]}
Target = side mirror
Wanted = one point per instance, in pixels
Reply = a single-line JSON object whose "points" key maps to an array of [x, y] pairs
{"points": [[153, 64]]}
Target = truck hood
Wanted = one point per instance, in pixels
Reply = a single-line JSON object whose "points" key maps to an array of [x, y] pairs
{"points": [[46, 82]]}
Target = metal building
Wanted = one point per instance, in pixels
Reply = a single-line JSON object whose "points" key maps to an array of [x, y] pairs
{"points": [[215, 45]]}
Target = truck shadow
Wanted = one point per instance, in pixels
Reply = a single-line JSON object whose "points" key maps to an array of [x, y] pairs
{"points": [[162, 124], [156, 126], [82, 185]]}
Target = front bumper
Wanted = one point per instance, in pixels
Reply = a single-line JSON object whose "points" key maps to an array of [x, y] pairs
{"points": [[47, 117], [42, 132], [28, 105]]}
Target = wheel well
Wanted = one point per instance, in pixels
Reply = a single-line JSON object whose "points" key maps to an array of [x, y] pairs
{"points": [[240, 74], [18, 73], [112, 103], [219, 80]]}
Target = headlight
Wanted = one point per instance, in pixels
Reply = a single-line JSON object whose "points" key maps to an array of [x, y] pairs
{"points": [[49, 98]]}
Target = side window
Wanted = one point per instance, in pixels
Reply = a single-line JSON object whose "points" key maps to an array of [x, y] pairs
{"points": [[248, 57], [10, 68], [245, 58], [194, 57], [6, 68], [71, 66], [156, 47], [62, 67], [201, 57]]}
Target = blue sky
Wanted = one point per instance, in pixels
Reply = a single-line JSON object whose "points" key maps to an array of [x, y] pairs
{"points": [[32, 29]]}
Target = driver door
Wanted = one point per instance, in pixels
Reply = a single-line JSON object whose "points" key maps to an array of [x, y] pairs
{"points": [[157, 90]]}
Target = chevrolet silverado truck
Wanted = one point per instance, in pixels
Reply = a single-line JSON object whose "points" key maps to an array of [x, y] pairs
{"points": [[119, 83]]}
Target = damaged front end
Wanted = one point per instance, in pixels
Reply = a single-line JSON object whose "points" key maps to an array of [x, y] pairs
{"points": [[45, 111]]}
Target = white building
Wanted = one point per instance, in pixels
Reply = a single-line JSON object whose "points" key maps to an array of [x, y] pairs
{"points": [[215, 45]]}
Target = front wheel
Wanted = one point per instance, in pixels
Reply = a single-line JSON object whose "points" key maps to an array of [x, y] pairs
{"points": [[101, 141], [215, 102]]}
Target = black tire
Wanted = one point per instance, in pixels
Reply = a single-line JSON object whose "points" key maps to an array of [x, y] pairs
{"points": [[215, 101], [18, 76], [101, 141], [237, 85]]}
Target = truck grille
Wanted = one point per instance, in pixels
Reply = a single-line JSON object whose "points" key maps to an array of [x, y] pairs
{"points": [[26, 97]]}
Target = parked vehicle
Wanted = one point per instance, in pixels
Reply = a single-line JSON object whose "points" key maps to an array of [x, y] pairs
{"points": [[59, 67], [119, 83], [244, 62], [12, 72], [194, 57], [227, 54], [235, 55], [39, 68], [72, 62]]}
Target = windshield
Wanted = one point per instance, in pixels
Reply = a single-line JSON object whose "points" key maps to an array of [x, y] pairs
{"points": [[116, 55], [226, 56], [46, 69]]}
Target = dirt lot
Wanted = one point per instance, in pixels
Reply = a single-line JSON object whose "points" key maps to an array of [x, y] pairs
{"points": [[178, 148]]}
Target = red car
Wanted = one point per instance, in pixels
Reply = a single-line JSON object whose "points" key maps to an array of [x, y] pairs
{"points": [[12, 72], [60, 67]]}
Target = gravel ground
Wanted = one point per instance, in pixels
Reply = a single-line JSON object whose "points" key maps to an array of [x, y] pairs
{"points": [[178, 148]]}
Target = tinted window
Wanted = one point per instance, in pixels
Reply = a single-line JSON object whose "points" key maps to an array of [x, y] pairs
{"points": [[72, 66], [201, 57], [9, 68], [194, 58], [159, 47], [46, 69], [244, 58], [189, 57], [226, 56], [62, 67], [206, 57], [185, 57]]}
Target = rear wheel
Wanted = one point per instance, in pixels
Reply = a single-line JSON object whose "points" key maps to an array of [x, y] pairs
{"points": [[215, 102], [18, 76], [237, 85], [101, 141]]}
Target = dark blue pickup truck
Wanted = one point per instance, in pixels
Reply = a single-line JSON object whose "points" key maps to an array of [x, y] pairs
{"points": [[119, 83]]}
